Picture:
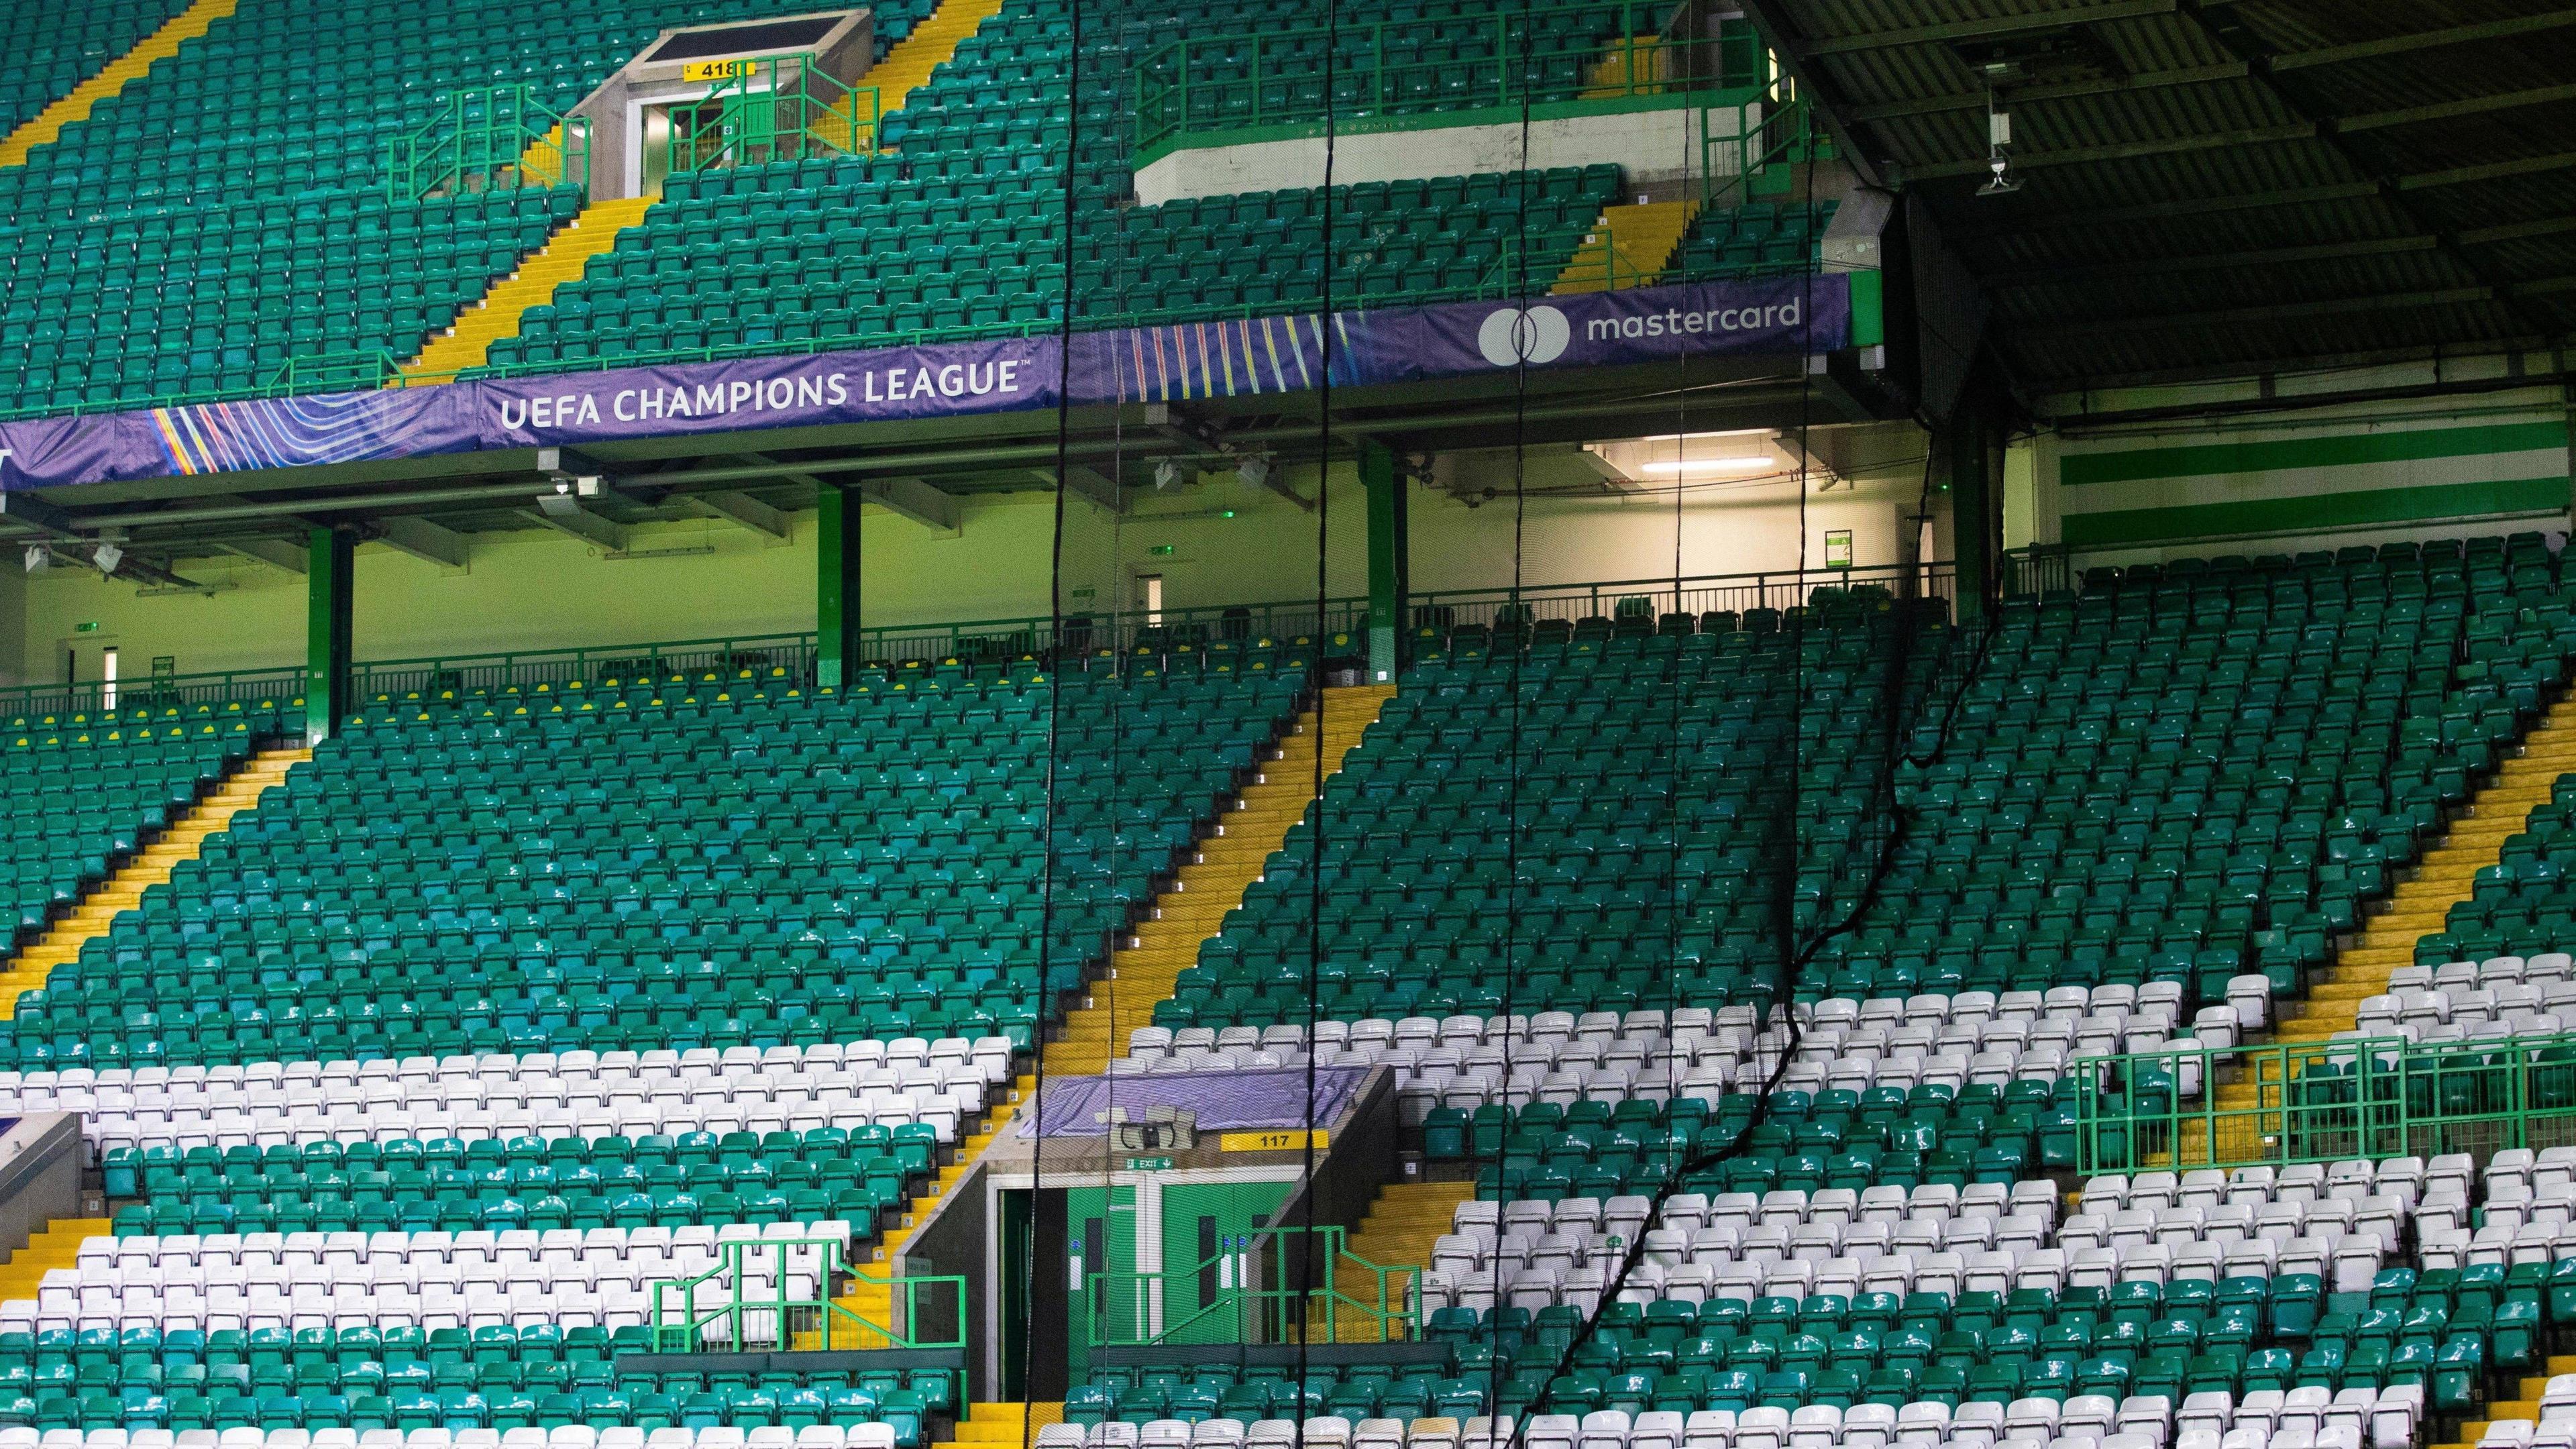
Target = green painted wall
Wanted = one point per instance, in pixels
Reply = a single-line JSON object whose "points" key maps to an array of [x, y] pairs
{"points": [[2475, 465]]}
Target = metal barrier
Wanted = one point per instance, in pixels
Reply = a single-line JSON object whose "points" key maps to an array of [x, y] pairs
{"points": [[777, 108], [1859, 589], [1550, 54], [1741, 141], [1245, 1296], [495, 139], [130, 699], [778, 1293], [2285, 1102]]}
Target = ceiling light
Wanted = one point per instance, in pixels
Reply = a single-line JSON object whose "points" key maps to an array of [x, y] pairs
{"points": [[1718, 467], [37, 557], [108, 557]]}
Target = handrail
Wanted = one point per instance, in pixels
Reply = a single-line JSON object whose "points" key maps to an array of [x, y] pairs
{"points": [[148, 697], [989, 640], [1552, 53], [1242, 1312], [772, 109], [490, 139], [784, 1316], [2277, 1103]]}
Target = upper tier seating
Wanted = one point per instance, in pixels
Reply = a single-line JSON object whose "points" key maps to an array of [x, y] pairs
{"points": [[228, 211], [814, 252], [1750, 239], [702, 863], [77, 791], [53, 47]]}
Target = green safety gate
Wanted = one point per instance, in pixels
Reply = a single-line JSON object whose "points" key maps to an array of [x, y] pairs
{"points": [[776, 108], [1353, 1300], [2285, 1102]]}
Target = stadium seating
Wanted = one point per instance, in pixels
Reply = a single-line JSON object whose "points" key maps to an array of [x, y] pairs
{"points": [[81, 788], [660, 865], [54, 49], [241, 186], [1750, 239], [811, 252]]}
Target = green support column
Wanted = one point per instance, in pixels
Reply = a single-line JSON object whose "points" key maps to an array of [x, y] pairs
{"points": [[1971, 450], [328, 696], [1390, 554], [836, 588]]}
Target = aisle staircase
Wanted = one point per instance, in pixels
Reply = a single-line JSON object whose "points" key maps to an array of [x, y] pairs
{"points": [[47, 125], [1006, 1426], [55, 1245], [1630, 246], [2446, 876], [498, 315], [1147, 972], [1144, 972], [183, 839], [1403, 1222], [930, 45], [2247, 1109]]}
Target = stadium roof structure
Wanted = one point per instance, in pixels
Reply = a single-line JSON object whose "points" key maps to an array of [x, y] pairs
{"points": [[2221, 187]]}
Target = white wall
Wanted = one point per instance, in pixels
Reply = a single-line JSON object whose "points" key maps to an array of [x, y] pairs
{"points": [[1649, 146]]}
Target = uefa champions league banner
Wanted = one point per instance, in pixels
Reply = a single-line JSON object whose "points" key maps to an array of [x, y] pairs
{"points": [[1186, 362]]}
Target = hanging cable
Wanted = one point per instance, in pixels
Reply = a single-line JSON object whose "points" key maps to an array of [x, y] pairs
{"points": [[1056, 649], [1308, 1254]]}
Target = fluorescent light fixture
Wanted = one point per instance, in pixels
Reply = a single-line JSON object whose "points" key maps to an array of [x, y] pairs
{"points": [[1747, 435], [1738, 467]]}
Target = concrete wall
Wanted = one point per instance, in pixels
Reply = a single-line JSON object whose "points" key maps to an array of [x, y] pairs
{"points": [[1651, 146]]}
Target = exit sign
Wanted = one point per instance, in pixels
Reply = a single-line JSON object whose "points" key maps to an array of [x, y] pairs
{"points": [[86, 626]]}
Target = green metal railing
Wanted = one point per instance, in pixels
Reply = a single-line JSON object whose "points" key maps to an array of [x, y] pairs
{"points": [[777, 108], [431, 677], [1697, 594], [139, 700], [778, 1293], [1741, 142], [363, 371], [495, 139], [1352, 1300], [2287, 1102], [1602, 52]]}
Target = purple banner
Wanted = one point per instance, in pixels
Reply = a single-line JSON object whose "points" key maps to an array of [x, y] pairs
{"points": [[1234, 358]]}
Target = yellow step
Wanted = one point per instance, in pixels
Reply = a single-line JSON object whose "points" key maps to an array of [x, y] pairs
{"points": [[184, 839], [47, 125], [1629, 246], [1096, 1034], [498, 314]]}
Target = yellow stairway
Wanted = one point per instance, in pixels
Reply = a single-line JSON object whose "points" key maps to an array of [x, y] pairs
{"points": [[47, 125], [2526, 1407], [54, 1246], [542, 164], [2421, 905], [183, 839], [1402, 1223], [1633, 65], [2247, 1109], [1227, 863], [1630, 246], [469, 342], [930, 45], [1143, 976], [1006, 1426]]}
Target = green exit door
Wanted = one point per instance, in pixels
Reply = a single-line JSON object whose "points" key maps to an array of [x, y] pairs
{"points": [[1101, 1267], [1208, 1238]]}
